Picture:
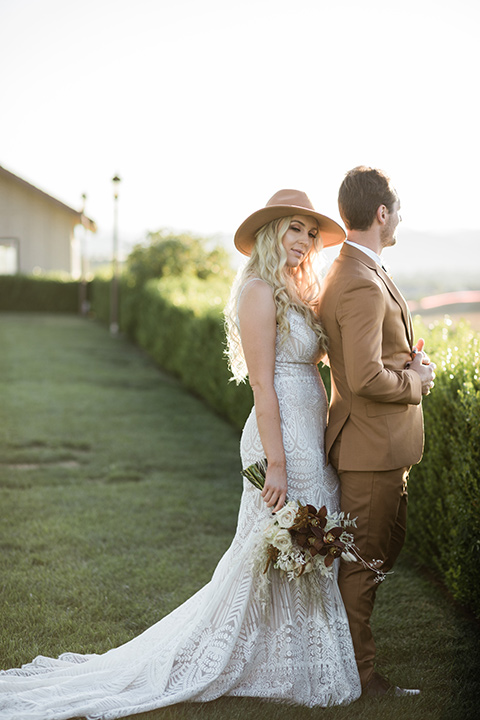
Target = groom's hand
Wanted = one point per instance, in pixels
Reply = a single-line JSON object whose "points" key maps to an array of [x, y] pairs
{"points": [[425, 370]]}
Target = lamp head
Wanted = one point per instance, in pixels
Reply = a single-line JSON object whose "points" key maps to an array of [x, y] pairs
{"points": [[116, 180]]}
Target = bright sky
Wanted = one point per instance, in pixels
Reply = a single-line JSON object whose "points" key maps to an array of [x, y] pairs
{"points": [[205, 108]]}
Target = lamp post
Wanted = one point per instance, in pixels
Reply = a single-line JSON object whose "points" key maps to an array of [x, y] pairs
{"points": [[114, 288], [84, 306]]}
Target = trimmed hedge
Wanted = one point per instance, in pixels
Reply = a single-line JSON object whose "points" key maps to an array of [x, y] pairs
{"points": [[444, 508], [184, 334], [179, 322], [100, 293], [26, 293]]}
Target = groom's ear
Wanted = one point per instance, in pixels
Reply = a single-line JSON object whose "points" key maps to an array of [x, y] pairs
{"points": [[382, 214]]}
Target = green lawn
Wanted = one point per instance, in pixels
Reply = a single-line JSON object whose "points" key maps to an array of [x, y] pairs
{"points": [[118, 495]]}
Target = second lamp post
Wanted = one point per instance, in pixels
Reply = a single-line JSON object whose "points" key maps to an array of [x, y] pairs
{"points": [[114, 289]]}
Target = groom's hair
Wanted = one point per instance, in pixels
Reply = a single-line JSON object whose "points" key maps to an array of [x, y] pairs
{"points": [[361, 193]]}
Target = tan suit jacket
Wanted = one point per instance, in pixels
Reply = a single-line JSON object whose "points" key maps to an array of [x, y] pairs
{"points": [[376, 403]]}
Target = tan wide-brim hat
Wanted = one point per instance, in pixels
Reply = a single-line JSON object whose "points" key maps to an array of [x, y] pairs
{"points": [[283, 204]]}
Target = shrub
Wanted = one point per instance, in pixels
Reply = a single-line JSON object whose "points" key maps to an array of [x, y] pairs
{"points": [[444, 522]]}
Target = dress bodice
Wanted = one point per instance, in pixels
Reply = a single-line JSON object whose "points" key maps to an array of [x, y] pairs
{"points": [[299, 347], [303, 411]]}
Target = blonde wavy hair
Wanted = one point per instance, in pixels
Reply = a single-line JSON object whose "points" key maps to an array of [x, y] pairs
{"points": [[293, 289]]}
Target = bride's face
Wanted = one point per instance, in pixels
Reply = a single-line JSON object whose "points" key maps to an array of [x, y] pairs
{"points": [[299, 239]]}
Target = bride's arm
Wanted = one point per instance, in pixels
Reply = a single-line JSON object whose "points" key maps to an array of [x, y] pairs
{"points": [[257, 317]]}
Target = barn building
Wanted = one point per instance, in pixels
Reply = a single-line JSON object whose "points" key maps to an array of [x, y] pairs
{"points": [[37, 230]]}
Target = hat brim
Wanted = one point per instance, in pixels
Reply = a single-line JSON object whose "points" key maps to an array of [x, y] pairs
{"points": [[331, 232]]}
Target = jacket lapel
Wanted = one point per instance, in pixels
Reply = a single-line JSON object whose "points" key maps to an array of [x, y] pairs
{"points": [[362, 257], [397, 295]]}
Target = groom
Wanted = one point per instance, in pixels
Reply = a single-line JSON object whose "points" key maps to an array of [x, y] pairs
{"points": [[375, 426]]}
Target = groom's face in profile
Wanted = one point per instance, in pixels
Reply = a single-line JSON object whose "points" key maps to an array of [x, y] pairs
{"points": [[389, 230]]}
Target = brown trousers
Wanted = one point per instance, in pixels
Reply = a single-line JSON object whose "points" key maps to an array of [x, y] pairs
{"points": [[379, 502]]}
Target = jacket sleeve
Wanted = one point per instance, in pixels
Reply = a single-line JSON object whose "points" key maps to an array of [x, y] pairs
{"points": [[360, 315]]}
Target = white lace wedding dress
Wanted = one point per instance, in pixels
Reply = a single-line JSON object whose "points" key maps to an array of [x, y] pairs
{"points": [[294, 646]]}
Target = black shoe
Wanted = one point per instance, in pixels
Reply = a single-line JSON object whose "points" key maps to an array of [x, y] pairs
{"points": [[378, 686]]}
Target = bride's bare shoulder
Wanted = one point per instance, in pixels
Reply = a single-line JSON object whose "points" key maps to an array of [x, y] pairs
{"points": [[256, 290]]}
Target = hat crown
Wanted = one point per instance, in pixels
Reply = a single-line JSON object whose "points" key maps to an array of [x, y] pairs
{"points": [[295, 198]]}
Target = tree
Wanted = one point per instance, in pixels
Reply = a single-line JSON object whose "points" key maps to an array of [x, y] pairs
{"points": [[169, 254]]}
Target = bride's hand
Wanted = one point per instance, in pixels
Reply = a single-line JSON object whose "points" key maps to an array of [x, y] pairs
{"points": [[419, 348], [275, 489]]}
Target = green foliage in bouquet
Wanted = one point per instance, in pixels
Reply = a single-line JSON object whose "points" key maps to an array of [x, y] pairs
{"points": [[444, 508]]}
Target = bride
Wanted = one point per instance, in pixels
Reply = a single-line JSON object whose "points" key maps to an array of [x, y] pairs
{"points": [[244, 633]]}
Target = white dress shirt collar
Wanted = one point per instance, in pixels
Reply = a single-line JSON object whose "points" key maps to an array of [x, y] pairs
{"points": [[373, 255]]}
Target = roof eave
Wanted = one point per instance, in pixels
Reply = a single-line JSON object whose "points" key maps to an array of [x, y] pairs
{"points": [[82, 219]]}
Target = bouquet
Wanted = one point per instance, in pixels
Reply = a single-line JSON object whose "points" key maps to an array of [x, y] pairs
{"points": [[300, 538]]}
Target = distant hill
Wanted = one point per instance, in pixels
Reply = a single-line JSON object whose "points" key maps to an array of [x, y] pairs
{"points": [[424, 263], [453, 252]]}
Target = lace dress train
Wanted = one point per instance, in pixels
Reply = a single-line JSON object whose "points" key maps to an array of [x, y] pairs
{"points": [[240, 635]]}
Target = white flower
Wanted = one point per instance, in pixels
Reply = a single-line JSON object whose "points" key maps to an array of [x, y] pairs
{"points": [[270, 532], [282, 541], [286, 516]]}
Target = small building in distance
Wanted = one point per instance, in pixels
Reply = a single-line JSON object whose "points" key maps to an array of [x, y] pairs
{"points": [[37, 230]]}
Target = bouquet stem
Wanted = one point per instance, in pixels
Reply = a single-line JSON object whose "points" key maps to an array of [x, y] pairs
{"points": [[256, 473]]}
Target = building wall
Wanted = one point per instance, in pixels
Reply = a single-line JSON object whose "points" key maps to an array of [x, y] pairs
{"points": [[42, 229]]}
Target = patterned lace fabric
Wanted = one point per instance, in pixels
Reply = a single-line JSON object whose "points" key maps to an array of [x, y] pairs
{"points": [[290, 643]]}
